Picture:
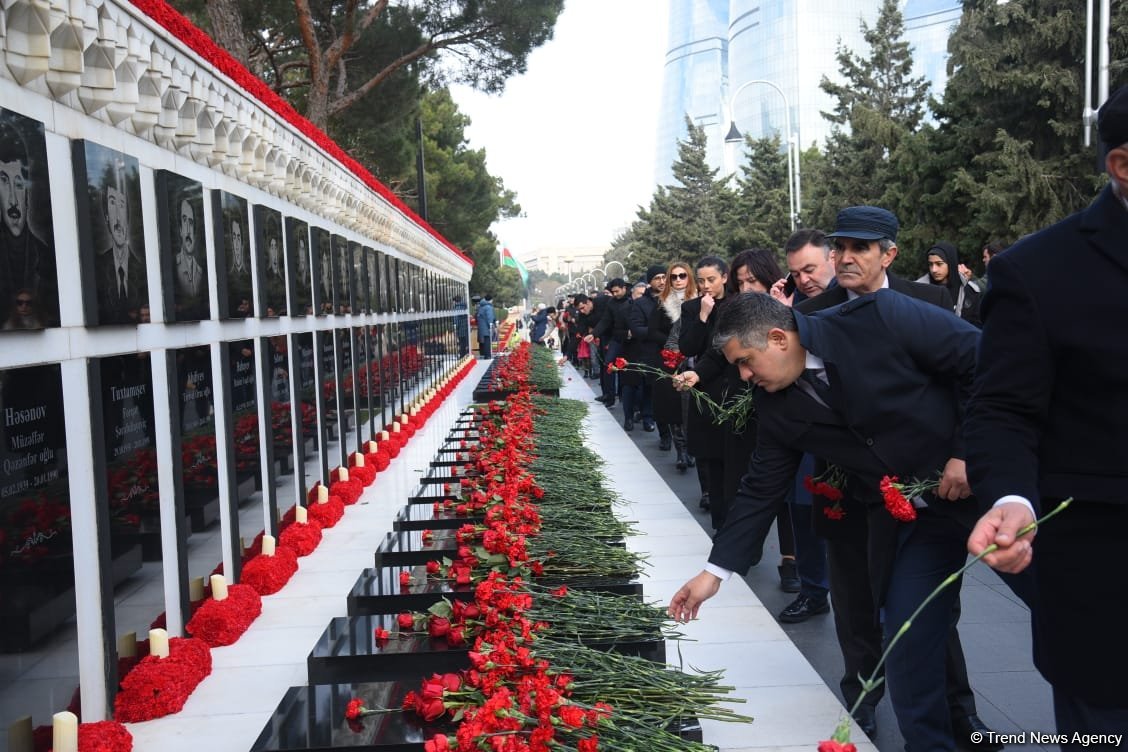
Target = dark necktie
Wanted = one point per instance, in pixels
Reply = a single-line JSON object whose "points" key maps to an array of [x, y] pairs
{"points": [[121, 281], [818, 388]]}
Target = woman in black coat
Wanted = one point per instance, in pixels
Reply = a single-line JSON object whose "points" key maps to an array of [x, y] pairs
{"points": [[705, 440], [755, 270]]}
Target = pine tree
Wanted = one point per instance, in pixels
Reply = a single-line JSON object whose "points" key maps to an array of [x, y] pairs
{"points": [[761, 217], [1008, 145], [686, 220], [879, 105]]}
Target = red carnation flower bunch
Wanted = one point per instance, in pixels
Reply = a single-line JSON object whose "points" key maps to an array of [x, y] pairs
{"points": [[829, 485], [671, 359], [618, 364], [268, 574], [897, 495]]}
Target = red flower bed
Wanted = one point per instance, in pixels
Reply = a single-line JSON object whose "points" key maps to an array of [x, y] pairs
{"points": [[348, 491], [223, 622], [327, 514], [157, 687]]}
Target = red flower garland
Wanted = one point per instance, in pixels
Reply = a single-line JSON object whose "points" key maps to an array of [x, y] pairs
{"points": [[157, 687], [268, 574], [895, 501], [202, 44], [223, 622], [302, 539]]}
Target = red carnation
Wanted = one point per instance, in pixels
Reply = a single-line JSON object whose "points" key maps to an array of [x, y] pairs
{"points": [[895, 501]]}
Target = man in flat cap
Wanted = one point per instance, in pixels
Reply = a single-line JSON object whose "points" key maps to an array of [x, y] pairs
{"points": [[1047, 422]]}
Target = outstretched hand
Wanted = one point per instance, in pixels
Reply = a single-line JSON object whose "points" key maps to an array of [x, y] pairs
{"points": [[1000, 526], [685, 603]]}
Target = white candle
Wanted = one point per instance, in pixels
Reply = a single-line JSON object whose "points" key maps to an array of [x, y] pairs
{"points": [[372, 447], [64, 732], [395, 427], [342, 473], [358, 459], [158, 643], [322, 495], [21, 735], [384, 436], [219, 587], [414, 411], [300, 515], [127, 645], [196, 589], [268, 545]]}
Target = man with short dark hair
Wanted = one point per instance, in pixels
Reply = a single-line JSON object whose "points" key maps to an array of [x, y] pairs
{"points": [[27, 263], [865, 242], [876, 387], [810, 265], [1047, 422], [486, 319]]}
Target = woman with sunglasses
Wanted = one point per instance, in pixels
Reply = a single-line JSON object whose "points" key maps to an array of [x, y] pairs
{"points": [[671, 406]]}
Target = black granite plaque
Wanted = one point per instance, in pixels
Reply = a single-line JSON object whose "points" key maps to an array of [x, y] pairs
{"points": [[195, 415], [271, 262], [184, 259], [233, 259], [111, 235], [323, 287], [36, 564], [342, 275], [29, 285], [244, 409], [298, 264]]}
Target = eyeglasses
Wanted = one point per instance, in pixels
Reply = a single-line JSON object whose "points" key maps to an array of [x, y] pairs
{"points": [[679, 275]]}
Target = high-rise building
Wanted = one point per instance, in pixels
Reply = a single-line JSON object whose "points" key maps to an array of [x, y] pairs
{"points": [[742, 60]]}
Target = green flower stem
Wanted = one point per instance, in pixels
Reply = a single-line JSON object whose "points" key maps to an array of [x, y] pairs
{"points": [[872, 682]]}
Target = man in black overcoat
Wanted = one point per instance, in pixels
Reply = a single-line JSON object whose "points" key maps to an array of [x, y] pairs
{"points": [[1048, 421]]}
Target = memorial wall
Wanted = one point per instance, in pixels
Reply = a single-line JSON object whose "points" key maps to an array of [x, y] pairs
{"points": [[205, 306]]}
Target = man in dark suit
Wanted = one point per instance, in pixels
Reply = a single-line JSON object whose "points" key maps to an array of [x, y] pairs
{"points": [[1047, 422], [122, 287], [864, 248], [895, 373]]}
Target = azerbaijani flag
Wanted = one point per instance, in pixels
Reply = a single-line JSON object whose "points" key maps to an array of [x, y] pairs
{"points": [[508, 259]]}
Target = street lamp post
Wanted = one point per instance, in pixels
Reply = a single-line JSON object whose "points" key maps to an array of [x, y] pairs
{"points": [[791, 141], [568, 260]]}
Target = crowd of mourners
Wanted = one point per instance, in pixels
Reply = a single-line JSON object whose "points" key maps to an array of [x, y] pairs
{"points": [[898, 425]]}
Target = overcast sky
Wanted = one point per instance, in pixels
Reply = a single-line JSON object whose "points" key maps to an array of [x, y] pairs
{"points": [[574, 137]]}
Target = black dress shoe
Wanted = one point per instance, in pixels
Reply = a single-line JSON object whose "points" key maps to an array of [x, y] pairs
{"points": [[648, 425], [973, 734], [866, 718], [664, 443], [803, 608], [628, 425], [789, 577], [610, 402], [703, 505], [601, 398]]}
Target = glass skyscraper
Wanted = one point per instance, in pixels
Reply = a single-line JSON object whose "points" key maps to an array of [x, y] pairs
{"points": [[740, 60]]}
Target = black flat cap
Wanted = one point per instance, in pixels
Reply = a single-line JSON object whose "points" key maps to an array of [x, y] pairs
{"points": [[1112, 120], [865, 223]]}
